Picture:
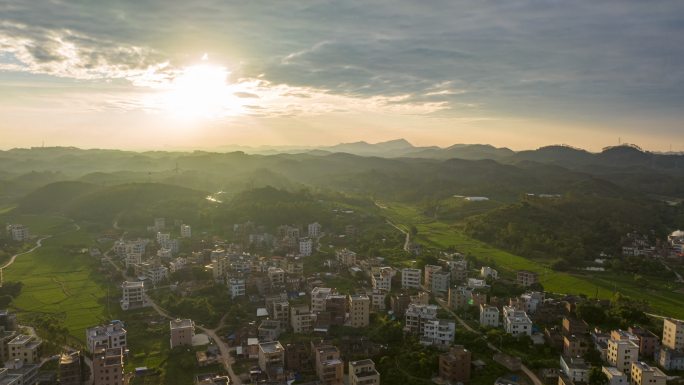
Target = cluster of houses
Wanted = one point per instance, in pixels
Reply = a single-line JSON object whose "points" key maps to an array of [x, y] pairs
{"points": [[635, 244], [20, 353]]}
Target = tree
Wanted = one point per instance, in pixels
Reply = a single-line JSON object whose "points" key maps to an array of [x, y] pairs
{"points": [[597, 377]]}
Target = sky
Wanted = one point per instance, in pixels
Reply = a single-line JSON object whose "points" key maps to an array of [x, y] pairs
{"points": [[207, 73]]}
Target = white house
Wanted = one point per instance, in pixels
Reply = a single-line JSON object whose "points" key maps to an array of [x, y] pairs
{"points": [[185, 231], [488, 272], [575, 368], [516, 322], [133, 295], [18, 233], [441, 280], [439, 333], [314, 230], [382, 278], [489, 316], [410, 278], [305, 247], [112, 335], [236, 286]]}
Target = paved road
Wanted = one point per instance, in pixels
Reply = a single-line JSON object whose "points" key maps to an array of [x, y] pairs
{"points": [[407, 241], [39, 243], [491, 346]]}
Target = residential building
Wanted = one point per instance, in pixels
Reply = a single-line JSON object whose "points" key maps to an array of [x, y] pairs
{"points": [[69, 369], [428, 271], [107, 367], [454, 366], [670, 359], [280, 311], [305, 246], [516, 322], [18, 233], [133, 295], [488, 272], [5, 337], [297, 357], [459, 296], [362, 372], [236, 287], [382, 278], [276, 276], [7, 378], [439, 333], [163, 238], [272, 359], [182, 331], [269, 330], [25, 348], [615, 376], [185, 231], [526, 278], [410, 278], [399, 303], [156, 273], [621, 354], [575, 369], [329, 366], [644, 374], [417, 315], [314, 230], [575, 346], [574, 326], [359, 310], [441, 280], [112, 335], [377, 297], [673, 334], [476, 283], [301, 319], [489, 316], [318, 296], [345, 257], [177, 264], [649, 343]]}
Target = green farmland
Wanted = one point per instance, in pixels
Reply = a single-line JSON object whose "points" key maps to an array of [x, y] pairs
{"points": [[58, 279], [661, 295]]}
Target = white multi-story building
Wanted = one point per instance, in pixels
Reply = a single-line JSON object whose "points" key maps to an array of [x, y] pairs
{"points": [[417, 315], [673, 334], [236, 287], [377, 297], [345, 257], [314, 230], [441, 280], [112, 335], [410, 278], [133, 259], [18, 233], [133, 295], [220, 266], [301, 319], [489, 316], [185, 231], [305, 247], [318, 297], [177, 264], [439, 333], [156, 274], [575, 368], [381, 279], [531, 300], [476, 283], [488, 272], [621, 354], [163, 238], [24, 348], [276, 276], [516, 322], [615, 376]]}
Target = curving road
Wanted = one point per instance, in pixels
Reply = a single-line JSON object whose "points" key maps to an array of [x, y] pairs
{"points": [[39, 243]]}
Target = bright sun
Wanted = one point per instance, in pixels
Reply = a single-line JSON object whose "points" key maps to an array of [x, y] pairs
{"points": [[200, 91]]}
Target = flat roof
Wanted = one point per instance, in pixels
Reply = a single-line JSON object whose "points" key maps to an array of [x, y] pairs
{"points": [[181, 323], [271, 347]]}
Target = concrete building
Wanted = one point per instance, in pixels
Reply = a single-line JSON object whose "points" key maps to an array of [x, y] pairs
{"points": [[673, 334], [272, 359], [156, 274], [69, 369], [305, 247], [345, 257], [108, 367], [621, 354], [25, 348], [5, 337], [112, 335], [441, 280], [301, 319], [516, 322], [185, 231], [381, 279], [280, 311], [318, 296], [236, 287], [7, 378], [438, 333], [182, 331], [575, 346], [575, 369], [329, 366], [489, 316], [670, 359], [22, 373], [363, 372], [643, 374], [649, 343], [314, 230], [276, 277], [377, 298], [454, 366], [18, 233], [488, 272], [526, 278], [417, 315], [269, 330], [133, 295], [615, 376], [359, 310], [459, 297], [410, 278], [428, 271]]}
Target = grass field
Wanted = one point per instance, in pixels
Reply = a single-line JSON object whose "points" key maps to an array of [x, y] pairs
{"points": [[58, 278], [664, 300]]}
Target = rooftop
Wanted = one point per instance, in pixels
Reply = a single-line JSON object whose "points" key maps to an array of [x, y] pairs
{"points": [[181, 323], [271, 347]]}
